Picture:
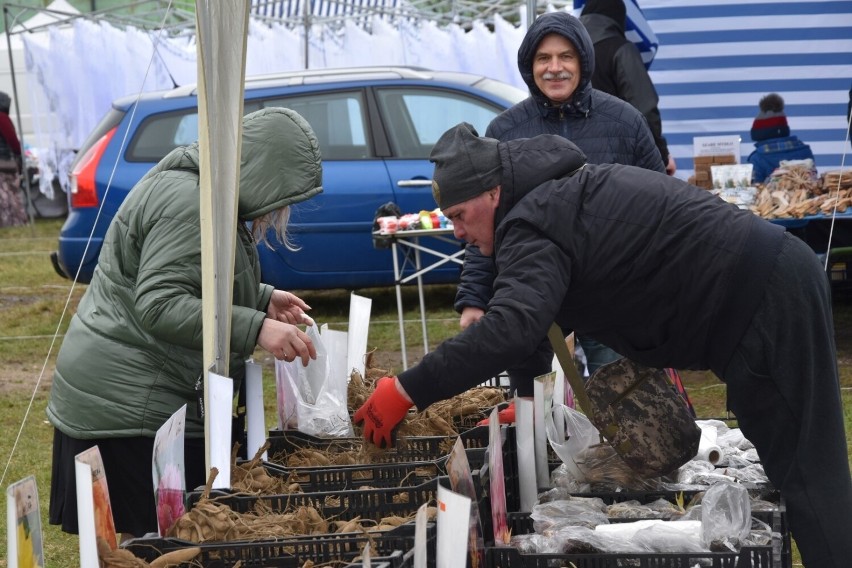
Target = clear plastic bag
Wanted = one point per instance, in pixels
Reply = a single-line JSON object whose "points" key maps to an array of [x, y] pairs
{"points": [[725, 516], [575, 511], [311, 399], [586, 459]]}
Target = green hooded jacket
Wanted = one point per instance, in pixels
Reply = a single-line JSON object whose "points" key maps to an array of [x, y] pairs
{"points": [[133, 351]]}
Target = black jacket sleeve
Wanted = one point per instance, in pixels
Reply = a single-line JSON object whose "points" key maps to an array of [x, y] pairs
{"points": [[513, 328], [477, 280]]}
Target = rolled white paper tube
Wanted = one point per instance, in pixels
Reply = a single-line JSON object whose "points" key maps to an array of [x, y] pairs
{"points": [[707, 448]]}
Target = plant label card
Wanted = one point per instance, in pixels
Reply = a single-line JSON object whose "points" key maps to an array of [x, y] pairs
{"points": [[421, 536], [453, 522], [543, 389], [23, 525], [169, 470], [359, 327], [256, 433], [461, 481], [497, 480], [94, 512], [526, 453], [220, 412], [336, 345]]}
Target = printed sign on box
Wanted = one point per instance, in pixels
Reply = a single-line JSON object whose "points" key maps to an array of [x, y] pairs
{"points": [[717, 146]]}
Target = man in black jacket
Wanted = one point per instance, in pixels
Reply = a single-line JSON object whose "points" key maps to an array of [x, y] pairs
{"points": [[557, 60], [670, 276], [619, 69]]}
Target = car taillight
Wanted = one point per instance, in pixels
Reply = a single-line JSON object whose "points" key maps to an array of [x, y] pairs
{"points": [[83, 192]]}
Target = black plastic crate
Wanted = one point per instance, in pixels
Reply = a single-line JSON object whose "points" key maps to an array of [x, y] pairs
{"points": [[389, 549], [748, 557], [342, 505], [407, 561], [778, 554], [409, 448], [777, 519], [335, 478]]}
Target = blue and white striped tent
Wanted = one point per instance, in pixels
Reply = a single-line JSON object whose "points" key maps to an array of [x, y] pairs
{"points": [[637, 30], [717, 58]]}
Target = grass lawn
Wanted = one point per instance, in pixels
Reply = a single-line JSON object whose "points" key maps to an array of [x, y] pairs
{"points": [[36, 304]]}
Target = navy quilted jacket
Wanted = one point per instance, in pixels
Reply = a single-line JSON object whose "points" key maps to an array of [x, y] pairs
{"points": [[607, 130]]}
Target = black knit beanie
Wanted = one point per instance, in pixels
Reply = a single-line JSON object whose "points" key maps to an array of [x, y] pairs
{"points": [[465, 165], [771, 122], [611, 8]]}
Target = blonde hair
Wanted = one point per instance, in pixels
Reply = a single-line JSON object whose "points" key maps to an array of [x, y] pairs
{"points": [[276, 220]]}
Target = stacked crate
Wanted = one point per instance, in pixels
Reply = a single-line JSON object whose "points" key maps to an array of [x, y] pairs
{"points": [[407, 478], [702, 176]]}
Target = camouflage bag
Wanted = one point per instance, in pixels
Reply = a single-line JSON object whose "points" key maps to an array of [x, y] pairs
{"points": [[637, 411]]}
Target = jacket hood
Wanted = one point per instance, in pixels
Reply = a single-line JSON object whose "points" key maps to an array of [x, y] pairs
{"points": [[601, 27], [530, 162], [615, 10], [281, 162], [569, 27]]}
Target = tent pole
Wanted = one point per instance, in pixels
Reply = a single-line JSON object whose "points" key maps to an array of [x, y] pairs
{"points": [[307, 26], [24, 171], [532, 9]]}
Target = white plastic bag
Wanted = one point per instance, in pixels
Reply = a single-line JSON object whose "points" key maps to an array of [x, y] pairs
{"points": [[579, 434], [312, 399]]}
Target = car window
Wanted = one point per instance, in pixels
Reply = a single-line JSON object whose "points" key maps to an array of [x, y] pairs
{"points": [[159, 134], [416, 118], [338, 120]]}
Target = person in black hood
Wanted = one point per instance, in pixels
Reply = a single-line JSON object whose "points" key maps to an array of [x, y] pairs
{"points": [[666, 273], [557, 61], [619, 69]]}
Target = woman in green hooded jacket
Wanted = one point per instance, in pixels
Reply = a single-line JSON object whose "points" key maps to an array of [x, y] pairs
{"points": [[133, 351]]}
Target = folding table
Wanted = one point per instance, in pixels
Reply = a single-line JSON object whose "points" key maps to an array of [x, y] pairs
{"points": [[402, 244]]}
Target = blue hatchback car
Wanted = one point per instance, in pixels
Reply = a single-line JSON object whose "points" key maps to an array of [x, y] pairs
{"points": [[376, 128]]}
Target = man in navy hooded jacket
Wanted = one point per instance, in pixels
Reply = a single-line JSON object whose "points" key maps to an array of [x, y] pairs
{"points": [[557, 60]]}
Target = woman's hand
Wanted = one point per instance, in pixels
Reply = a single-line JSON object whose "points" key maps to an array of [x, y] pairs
{"points": [[285, 341], [288, 308]]}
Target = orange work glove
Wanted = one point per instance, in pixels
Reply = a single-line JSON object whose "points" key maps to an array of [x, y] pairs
{"points": [[505, 416], [383, 412]]}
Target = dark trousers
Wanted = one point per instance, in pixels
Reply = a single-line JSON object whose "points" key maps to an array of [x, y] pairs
{"points": [[783, 387]]}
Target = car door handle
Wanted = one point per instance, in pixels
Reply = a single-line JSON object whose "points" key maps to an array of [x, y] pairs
{"points": [[414, 183]]}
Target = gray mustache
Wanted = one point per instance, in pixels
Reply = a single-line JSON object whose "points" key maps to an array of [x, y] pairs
{"points": [[559, 76]]}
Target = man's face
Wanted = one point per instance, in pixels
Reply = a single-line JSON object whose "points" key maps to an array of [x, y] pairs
{"points": [[473, 220], [556, 68]]}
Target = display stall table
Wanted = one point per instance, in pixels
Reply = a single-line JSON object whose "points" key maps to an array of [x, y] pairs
{"points": [[408, 267], [826, 234], [801, 222], [830, 237]]}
